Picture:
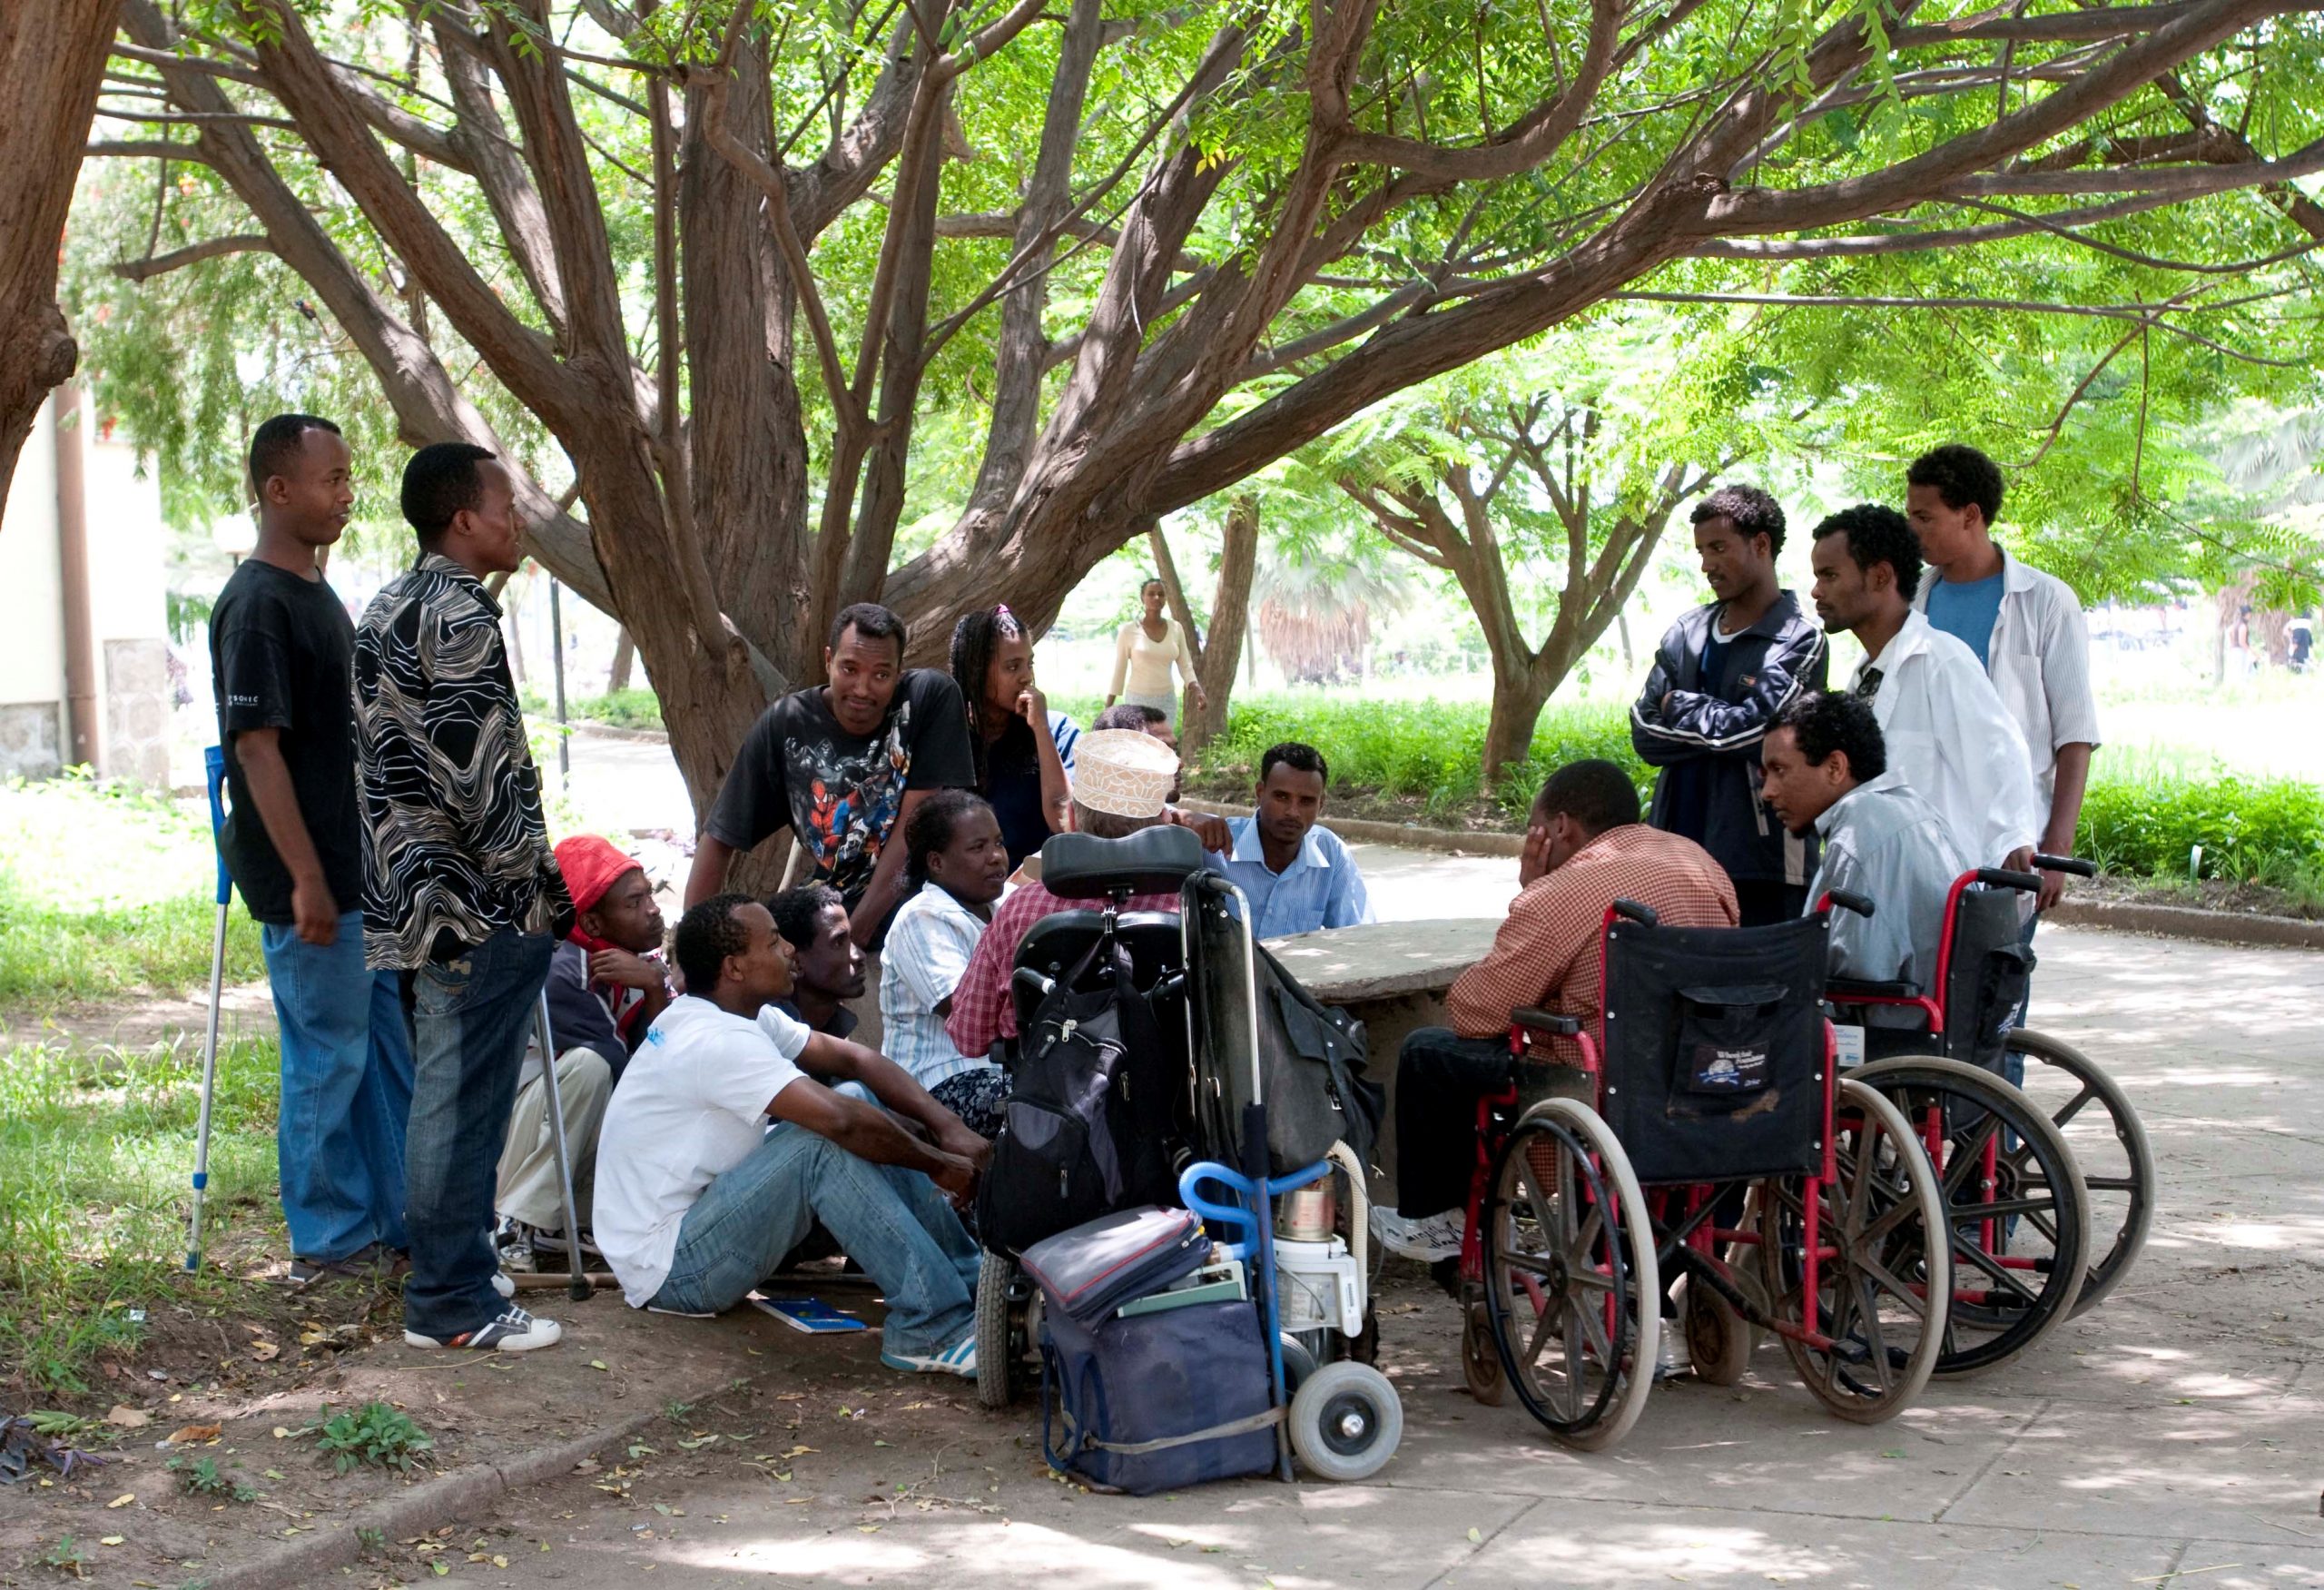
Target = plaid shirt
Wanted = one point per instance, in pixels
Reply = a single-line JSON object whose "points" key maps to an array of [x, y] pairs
{"points": [[981, 1008], [1551, 951]]}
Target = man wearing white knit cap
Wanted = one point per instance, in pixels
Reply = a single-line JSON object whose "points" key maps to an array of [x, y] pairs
{"points": [[1122, 780]]}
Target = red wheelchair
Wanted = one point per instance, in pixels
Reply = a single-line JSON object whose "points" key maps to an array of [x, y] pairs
{"points": [[1712, 1141]]}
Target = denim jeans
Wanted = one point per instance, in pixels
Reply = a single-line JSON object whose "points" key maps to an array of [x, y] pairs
{"points": [[346, 1092], [470, 1020], [892, 1221]]}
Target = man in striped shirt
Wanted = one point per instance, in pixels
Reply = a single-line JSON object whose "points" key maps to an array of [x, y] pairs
{"points": [[1585, 848]]}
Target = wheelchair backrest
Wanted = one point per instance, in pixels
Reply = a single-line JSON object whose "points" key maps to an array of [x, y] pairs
{"points": [[1715, 1057], [1987, 967], [1152, 861], [1054, 945]]}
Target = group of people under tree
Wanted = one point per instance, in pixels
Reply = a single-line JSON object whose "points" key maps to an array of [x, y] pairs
{"points": [[823, 1066]]}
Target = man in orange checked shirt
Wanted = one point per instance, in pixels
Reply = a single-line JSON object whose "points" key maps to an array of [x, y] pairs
{"points": [[1585, 848]]}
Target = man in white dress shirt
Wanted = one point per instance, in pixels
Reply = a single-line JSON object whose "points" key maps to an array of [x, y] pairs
{"points": [[1948, 736]]}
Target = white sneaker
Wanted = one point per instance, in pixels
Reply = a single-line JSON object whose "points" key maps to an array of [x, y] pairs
{"points": [[1428, 1240], [960, 1358], [1671, 1360], [516, 1331]]}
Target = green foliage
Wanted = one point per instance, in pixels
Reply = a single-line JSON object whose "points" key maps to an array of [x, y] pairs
{"points": [[104, 889], [2267, 831], [200, 1476], [375, 1434], [94, 1147], [628, 709], [67, 1556], [1432, 750]]}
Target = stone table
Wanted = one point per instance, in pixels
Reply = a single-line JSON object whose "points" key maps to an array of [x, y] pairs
{"points": [[1392, 975]]}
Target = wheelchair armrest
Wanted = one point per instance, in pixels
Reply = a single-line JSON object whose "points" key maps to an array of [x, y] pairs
{"points": [[1545, 1022], [1032, 982], [1850, 989], [2071, 866]]}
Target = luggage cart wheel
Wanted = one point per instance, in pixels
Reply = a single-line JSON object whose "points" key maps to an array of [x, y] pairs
{"points": [[996, 1348], [1346, 1421], [1480, 1360], [1720, 1342]]}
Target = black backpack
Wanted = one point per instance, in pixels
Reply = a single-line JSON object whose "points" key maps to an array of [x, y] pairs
{"points": [[1091, 1121]]}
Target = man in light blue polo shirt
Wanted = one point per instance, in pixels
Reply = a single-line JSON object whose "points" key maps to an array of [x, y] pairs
{"points": [[1299, 877]]}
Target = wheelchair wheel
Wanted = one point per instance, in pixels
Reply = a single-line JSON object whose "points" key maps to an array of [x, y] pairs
{"points": [[1718, 1340], [2015, 1206], [2109, 1141], [1345, 1422], [1571, 1291], [1003, 1328], [1480, 1360], [1877, 1266]]}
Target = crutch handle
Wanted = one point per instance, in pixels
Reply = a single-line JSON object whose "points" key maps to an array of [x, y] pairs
{"points": [[214, 765]]}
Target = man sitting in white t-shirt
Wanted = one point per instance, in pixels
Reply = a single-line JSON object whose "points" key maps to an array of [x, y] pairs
{"points": [[697, 1200]]}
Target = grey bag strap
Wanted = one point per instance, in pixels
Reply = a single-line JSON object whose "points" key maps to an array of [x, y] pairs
{"points": [[1242, 1426]]}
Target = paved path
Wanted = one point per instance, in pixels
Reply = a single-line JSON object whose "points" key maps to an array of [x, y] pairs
{"points": [[2176, 1436]]}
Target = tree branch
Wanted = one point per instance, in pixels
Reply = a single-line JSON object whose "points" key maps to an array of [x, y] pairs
{"points": [[155, 266]]}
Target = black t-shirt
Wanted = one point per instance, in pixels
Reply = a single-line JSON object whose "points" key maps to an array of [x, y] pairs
{"points": [[840, 793], [282, 657], [1012, 777]]}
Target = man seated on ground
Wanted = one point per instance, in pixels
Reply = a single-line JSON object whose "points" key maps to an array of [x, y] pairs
{"points": [[698, 1201], [1585, 848], [602, 993], [1120, 784], [1947, 734], [1827, 769], [1297, 875], [826, 963]]}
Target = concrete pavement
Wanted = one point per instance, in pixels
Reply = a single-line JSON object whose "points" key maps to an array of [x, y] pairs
{"points": [[2175, 1437]]}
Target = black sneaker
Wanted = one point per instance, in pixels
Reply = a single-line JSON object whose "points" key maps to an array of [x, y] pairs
{"points": [[543, 1240], [368, 1262], [516, 1331]]}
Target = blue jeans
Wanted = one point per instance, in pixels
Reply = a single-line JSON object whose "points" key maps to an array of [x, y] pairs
{"points": [[470, 1020], [892, 1221], [346, 1092]]}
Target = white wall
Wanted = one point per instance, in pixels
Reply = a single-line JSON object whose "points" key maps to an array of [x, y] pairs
{"points": [[31, 656]]}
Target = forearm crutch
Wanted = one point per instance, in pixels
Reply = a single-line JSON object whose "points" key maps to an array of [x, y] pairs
{"points": [[213, 765], [578, 1288]]}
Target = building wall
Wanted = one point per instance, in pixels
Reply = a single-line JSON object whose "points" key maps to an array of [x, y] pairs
{"points": [[128, 602]]}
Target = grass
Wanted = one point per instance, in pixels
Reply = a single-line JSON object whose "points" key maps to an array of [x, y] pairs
{"points": [[106, 891], [95, 1151]]}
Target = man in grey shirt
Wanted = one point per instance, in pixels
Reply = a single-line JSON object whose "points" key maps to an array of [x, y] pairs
{"points": [[1825, 767]]}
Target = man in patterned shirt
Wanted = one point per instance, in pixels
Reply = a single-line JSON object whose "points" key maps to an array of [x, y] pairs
{"points": [[1585, 848], [460, 890]]}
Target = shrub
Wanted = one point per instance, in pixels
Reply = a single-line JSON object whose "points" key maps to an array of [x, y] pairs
{"points": [[626, 709], [374, 1434], [2268, 831]]}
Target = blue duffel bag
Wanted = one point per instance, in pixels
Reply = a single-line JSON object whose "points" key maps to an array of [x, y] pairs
{"points": [[1157, 1401]]}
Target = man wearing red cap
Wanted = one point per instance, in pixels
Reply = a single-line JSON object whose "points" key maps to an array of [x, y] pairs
{"points": [[603, 993]]}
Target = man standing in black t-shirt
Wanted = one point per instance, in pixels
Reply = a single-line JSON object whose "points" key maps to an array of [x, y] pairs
{"points": [[843, 765], [281, 651]]}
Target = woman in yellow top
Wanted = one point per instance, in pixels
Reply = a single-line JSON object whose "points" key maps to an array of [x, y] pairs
{"points": [[1144, 654]]}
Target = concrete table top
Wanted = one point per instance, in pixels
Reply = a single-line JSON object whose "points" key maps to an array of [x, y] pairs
{"points": [[1386, 960]]}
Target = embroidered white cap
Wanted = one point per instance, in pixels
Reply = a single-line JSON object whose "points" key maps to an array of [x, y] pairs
{"points": [[1127, 773]]}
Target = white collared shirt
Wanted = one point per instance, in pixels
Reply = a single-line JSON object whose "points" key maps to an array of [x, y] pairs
{"points": [[929, 944], [1951, 741], [2039, 662]]}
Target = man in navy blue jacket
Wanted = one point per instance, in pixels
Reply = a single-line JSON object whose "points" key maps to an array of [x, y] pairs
{"points": [[1720, 677]]}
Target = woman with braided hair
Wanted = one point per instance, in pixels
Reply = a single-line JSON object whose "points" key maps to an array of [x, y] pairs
{"points": [[1023, 750]]}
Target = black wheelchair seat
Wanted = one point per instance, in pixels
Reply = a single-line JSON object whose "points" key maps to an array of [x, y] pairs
{"points": [[1152, 861]]}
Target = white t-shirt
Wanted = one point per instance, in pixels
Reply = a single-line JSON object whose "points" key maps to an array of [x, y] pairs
{"points": [[691, 1107]]}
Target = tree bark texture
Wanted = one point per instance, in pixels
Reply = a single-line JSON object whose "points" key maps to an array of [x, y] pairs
{"points": [[52, 59], [1230, 616], [694, 529]]}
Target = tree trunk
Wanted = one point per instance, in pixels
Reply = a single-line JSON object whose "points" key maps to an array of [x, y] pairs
{"points": [[1230, 609], [52, 59], [625, 656], [1520, 688]]}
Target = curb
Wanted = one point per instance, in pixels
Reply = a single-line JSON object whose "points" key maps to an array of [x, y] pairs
{"points": [[586, 728], [2185, 921], [448, 1498]]}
